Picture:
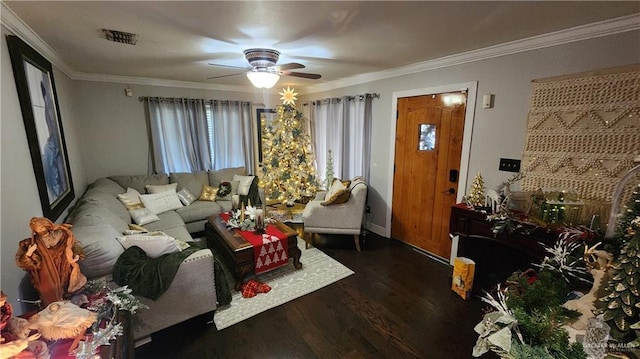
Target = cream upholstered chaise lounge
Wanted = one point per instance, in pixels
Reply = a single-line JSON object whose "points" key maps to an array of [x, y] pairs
{"points": [[340, 210]]}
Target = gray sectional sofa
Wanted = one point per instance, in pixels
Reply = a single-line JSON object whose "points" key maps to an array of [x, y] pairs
{"points": [[99, 217]]}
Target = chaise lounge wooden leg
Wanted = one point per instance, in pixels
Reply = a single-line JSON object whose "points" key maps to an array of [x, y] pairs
{"points": [[356, 238], [307, 240]]}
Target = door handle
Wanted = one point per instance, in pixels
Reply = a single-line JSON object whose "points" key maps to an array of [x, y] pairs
{"points": [[450, 191]]}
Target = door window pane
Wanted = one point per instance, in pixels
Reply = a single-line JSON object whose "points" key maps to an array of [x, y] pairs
{"points": [[427, 140]]}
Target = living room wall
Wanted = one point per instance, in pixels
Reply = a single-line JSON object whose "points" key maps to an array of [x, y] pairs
{"points": [[113, 127], [498, 132], [18, 192]]}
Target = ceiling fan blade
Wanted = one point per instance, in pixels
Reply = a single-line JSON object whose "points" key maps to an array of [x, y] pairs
{"points": [[289, 66], [217, 77], [301, 74], [229, 66]]}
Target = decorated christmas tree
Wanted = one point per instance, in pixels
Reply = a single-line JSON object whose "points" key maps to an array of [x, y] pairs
{"points": [[476, 195], [288, 172]]}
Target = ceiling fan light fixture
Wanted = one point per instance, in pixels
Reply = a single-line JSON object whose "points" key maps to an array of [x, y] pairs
{"points": [[263, 79]]}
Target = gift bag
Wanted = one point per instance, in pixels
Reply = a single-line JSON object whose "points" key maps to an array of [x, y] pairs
{"points": [[463, 271]]}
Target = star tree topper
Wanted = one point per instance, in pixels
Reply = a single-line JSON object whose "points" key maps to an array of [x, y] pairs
{"points": [[288, 96]]}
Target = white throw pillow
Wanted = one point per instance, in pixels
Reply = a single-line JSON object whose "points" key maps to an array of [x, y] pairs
{"points": [[161, 202], [244, 184], [143, 216], [154, 245], [336, 186], [186, 197], [171, 187], [131, 199]]}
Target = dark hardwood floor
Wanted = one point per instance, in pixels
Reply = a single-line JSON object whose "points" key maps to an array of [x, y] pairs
{"points": [[398, 304]]}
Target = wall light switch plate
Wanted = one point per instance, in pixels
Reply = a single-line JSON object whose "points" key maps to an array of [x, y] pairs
{"points": [[509, 165]]}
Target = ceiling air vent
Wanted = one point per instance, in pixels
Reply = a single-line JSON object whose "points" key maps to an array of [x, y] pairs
{"points": [[119, 36]]}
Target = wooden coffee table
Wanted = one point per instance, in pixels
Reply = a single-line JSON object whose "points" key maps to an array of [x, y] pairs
{"points": [[237, 253]]}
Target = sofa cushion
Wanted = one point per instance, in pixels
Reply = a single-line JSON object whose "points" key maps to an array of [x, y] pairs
{"points": [[161, 202], [186, 197], [208, 193], [191, 181], [337, 194], [154, 245], [91, 213], [169, 220], [244, 184], [199, 210], [108, 186], [217, 176], [101, 248], [108, 201], [139, 181], [159, 188], [130, 199], [143, 216]]}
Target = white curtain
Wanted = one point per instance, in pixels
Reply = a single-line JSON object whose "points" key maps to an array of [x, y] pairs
{"points": [[342, 125], [179, 139], [189, 135], [231, 135]]}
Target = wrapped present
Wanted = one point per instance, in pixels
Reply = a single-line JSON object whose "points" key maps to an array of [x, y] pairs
{"points": [[463, 272]]}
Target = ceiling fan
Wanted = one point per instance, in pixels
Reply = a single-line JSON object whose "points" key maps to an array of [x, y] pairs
{"points": [[264, 73]]}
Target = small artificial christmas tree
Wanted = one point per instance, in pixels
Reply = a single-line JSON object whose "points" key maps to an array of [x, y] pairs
{"points": [[288, 166], [630, 211], [476, 195], [329, 169], [620, 306]]}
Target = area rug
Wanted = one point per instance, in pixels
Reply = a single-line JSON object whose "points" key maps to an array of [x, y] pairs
{"points": [[287, 283]]}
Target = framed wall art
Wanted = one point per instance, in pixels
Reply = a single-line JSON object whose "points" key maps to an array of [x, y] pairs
{"points": [[41, 115]]}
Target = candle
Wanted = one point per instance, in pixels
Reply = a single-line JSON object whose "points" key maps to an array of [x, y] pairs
{"points": [[259, 219], [235, 202]]}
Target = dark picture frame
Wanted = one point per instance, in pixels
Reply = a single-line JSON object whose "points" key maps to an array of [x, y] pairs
{"points": [[268, 114], [41, 115]]}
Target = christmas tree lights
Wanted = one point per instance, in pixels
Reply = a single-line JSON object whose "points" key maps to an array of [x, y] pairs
{"points": [[288, 171]]}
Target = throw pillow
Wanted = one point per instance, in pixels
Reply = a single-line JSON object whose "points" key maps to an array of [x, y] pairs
{"points": [[341, 196], [208, 193], [154, 244], [335, 187], [186, 197], [234, 190], [338, 193], [171, 187], [136, 227], [131, 199], [161, 202], [244, 184], [143, 216]]}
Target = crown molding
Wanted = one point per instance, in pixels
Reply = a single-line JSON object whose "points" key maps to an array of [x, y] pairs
{"points": [[578, 33], [584, 32], [16, 26], [129, 80]]}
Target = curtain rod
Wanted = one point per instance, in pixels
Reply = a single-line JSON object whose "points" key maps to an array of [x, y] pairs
{"points": [[157, 98], [348, 98]]}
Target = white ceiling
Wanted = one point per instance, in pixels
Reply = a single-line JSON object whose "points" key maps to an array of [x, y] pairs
{"points": [[339, 40]]}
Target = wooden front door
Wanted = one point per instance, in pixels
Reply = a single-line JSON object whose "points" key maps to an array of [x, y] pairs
{"points": [[428, 148]]}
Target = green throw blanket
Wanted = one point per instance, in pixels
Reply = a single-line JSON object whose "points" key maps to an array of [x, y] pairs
{"points": [[151, 277]]}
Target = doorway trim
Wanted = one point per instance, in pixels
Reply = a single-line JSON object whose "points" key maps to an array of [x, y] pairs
{"points": [[472, 89]]}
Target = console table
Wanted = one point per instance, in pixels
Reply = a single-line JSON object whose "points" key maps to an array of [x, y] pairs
{"points": [[496, 257]]}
